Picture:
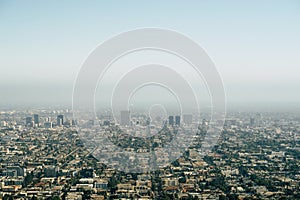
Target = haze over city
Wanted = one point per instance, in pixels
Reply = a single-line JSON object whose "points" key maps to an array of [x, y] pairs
{"points": [[145, 100], [254, 45]]}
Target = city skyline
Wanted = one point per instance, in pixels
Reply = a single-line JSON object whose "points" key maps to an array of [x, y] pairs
{"points": [[149, 100]]}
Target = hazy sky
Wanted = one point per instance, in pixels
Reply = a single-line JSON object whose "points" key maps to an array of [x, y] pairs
{"points": [[254, 44]]}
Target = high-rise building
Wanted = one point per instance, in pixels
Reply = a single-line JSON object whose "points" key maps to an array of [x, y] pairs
{"points": [[36, 119], [177, 120], [188, 118], [252, 121], [28, 121], [171, 120], [60, 120], [74, 122], [258, 119], [125, 118]]}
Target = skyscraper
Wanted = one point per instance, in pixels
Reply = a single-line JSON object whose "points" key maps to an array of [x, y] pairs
{"points": [[171, 120], [36, 119], [125, 118], [60, 120], [74, 122], [177, 120], [28, 121], [252, 121]]}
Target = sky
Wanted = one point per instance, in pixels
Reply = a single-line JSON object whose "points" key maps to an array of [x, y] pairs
{"points": [[255, 45]]}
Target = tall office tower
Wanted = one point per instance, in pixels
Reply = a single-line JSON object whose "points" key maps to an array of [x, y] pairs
{"points": [[125, 118], [60, 120], [188, 118], [171, 120], [252, 121], [258, 119], [36, 119], [74, 122], [177, 120], [28, 121]]}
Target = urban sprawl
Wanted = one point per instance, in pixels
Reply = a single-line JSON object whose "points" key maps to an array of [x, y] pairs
{"points": [[257, 156]]}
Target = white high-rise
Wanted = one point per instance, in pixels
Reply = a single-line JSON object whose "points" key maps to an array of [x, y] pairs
{"points": [[125, 118]]}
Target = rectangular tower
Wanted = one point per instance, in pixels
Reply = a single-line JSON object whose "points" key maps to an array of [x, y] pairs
{"points": [[125, 118]]}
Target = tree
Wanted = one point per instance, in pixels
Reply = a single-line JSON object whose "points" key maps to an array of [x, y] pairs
{"points": [[34, 198], [7, 197], [112, 183], [182, 179], [28, 179]]}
